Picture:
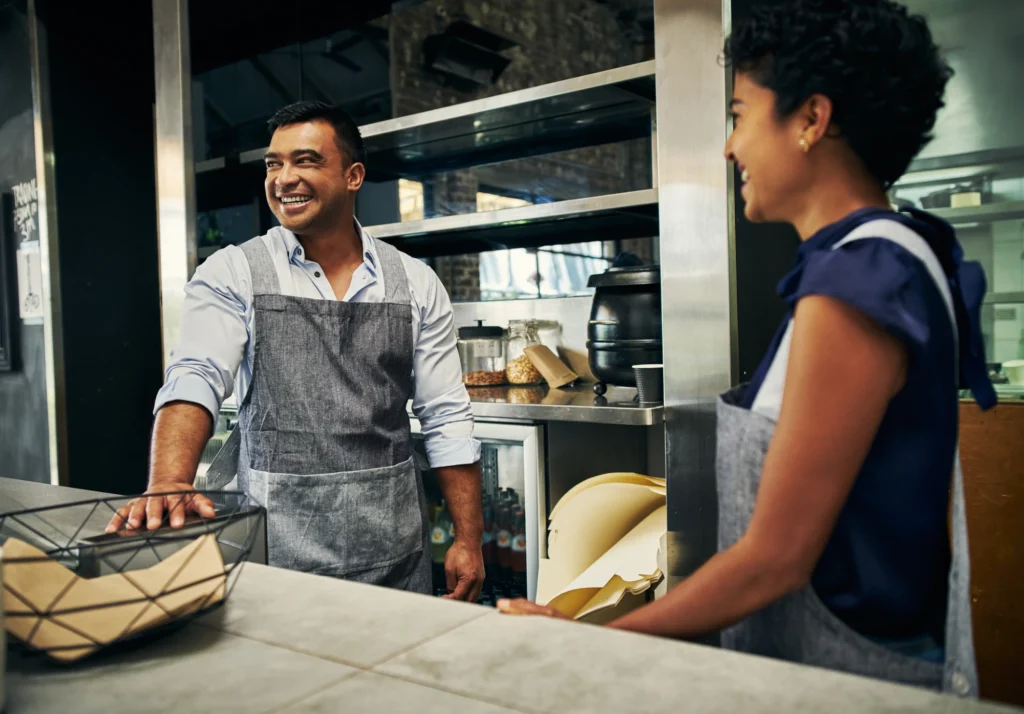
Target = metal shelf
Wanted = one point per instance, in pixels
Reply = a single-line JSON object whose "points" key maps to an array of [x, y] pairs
{"points": [[988, 213], [967, 160], [601, 108], [610, 106], [616, 216], [570, 404], [1010, 298]]}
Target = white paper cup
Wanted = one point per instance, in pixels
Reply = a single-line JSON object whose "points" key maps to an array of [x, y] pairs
{"points": [[1014, 371]]}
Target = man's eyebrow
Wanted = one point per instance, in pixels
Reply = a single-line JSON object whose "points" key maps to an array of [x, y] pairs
{"points": [[295, 154]]}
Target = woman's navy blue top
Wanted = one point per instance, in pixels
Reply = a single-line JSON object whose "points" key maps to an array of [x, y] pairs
{"points": [[884, 570]]}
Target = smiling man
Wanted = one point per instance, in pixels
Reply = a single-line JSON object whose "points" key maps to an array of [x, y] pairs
{"points": [[326, 334]]}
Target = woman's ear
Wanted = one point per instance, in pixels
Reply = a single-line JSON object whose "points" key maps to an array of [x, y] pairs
{"points": [[816, 119]]}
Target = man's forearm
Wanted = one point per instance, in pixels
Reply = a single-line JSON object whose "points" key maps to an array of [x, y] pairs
{"points": [[180, 433], [461, 488]]}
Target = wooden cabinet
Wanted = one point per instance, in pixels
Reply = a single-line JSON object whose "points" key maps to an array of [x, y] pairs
{"points": [[992, 453]]}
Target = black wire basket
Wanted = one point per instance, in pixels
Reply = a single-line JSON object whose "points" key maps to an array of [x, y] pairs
{"points": [[72, 590]]}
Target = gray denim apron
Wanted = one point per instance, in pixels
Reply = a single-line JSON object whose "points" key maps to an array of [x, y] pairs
{"points": [[799, 627], [325, 439]]}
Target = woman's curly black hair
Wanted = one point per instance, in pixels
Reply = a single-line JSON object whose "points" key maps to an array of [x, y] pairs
{"points": [[876, 62]]}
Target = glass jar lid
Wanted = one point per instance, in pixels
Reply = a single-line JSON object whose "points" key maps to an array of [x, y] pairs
{"points": [[481, 331]]}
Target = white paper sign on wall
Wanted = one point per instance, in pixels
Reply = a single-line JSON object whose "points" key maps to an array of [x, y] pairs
{"points": [[30, 283]]}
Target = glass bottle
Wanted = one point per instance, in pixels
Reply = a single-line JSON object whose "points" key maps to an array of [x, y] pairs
{"points": [[490, 552], [441, 537], [517, 554], [504, 547]]}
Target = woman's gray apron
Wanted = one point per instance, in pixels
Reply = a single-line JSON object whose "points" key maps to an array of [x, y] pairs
{"points": [[325, 439], [799, 627]]}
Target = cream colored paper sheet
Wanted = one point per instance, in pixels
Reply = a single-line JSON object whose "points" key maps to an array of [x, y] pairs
{"points": [[43, 585], [630, 566], [618, 477], [595, 519]]}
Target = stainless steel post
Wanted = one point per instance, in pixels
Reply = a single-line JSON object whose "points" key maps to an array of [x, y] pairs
{"points": [[696, 263], [176, 201], [53, 327]]}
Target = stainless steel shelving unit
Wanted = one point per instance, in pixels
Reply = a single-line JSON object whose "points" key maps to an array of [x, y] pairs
{"points": [[615, 216], [1010, 298], [980, 160], [599, 108], [986, 213], [610, 106]]}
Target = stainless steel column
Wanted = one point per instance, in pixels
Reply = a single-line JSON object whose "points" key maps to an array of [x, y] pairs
{"points": [[176, 201], [696, 263], [53, 326]]}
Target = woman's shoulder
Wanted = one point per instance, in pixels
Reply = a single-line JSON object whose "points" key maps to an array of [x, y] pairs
{"points": [[888, 272]]}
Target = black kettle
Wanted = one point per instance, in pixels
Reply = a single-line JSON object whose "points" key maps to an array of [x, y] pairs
{"points": [[625, 324]]}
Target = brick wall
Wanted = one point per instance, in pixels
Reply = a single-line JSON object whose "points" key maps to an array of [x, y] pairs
{"points": [[557, 40]]}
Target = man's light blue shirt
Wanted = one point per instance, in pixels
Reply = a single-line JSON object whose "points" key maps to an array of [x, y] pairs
{"points": [[215, 343]]}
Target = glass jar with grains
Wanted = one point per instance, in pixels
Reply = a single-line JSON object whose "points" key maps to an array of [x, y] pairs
{"points": [[482, 353], [518, 367]]}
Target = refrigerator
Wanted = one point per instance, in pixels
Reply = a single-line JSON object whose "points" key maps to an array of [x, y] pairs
{"points": [[512, 457]]}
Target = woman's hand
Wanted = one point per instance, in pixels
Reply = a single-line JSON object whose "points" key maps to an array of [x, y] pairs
{"points": [[521, 606]]}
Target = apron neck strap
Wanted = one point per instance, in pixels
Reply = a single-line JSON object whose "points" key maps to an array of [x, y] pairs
{"points": [[396, 283], [261, 267]]}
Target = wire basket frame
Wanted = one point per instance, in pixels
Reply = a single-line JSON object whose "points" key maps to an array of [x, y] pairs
{"points": [[71, 590]]}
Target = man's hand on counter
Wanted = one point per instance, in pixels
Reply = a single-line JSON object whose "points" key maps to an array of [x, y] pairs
{"points": [[162, 497]]}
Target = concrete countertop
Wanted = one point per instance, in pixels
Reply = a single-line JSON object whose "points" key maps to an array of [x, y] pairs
{"points": [[291, 642]]}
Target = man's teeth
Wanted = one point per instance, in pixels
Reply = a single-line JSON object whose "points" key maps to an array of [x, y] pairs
{"points": [[745, 176], [295, 199]]}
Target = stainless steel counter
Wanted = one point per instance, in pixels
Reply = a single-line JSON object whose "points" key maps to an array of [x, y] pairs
{"points": [[572, 404]]}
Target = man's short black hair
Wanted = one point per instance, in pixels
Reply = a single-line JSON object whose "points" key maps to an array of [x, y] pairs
{"points": [[349, 139], [876, 62]]}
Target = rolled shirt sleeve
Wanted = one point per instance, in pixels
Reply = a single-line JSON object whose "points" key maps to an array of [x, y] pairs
{"points": [[214, 333], [440, 400]]}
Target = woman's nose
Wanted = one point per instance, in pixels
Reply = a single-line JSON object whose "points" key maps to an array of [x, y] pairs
{"points": [[728, 153]]}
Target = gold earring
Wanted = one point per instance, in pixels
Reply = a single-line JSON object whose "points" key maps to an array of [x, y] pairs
{"points": [[804, 145]]}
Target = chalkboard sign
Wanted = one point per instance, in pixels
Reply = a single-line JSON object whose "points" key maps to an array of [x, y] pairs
{"points": [[26, 211], [8, 314]]}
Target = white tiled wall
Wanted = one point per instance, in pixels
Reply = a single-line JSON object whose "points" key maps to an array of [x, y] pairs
{"points": [[1007, 275]]}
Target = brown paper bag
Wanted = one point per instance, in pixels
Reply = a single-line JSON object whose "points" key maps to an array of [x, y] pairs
{"points": [[554, 371]]}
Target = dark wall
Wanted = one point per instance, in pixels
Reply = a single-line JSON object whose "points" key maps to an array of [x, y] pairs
{"points": [[102, 94], [24, 450], [764, 253]]}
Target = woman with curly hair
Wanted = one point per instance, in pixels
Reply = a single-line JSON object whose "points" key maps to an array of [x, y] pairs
{"points": [[835, 464]]}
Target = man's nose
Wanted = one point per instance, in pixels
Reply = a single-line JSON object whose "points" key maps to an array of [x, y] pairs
{"points": [[286, 177]]}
